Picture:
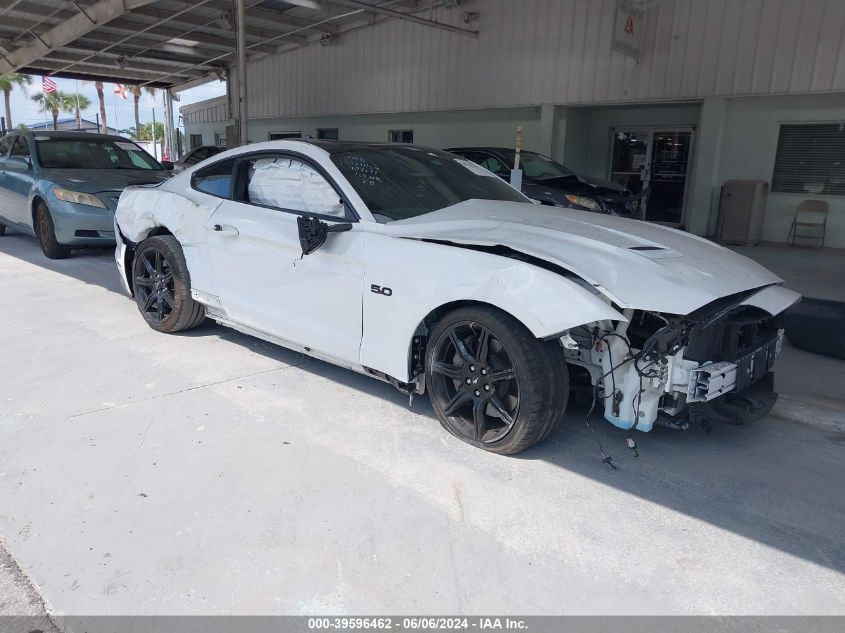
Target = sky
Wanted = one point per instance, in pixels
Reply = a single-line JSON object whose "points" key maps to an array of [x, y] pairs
{"points": [[24, 110]]}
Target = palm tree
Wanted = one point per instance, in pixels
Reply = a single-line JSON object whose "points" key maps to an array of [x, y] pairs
{"points": [[7, 84], [136, 93], [80, 102], [54, 102], [104, 128]]}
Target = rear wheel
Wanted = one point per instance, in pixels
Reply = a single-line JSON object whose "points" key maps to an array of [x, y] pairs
{"points": [[163, 286], [46, 232], [492, 383]]}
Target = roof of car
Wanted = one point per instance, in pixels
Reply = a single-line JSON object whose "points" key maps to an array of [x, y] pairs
{"points": [[335, 147], [506, 150], [65, 134]]}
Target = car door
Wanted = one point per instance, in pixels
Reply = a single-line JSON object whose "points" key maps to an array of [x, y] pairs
{"points": [[263, 281], [17, 182]]}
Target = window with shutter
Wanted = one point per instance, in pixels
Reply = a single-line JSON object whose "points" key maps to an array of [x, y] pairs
{"points": [[810, 159]]}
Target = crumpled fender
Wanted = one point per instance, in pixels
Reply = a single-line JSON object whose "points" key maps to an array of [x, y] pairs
{"points": [[423, 276], [142, 209]]}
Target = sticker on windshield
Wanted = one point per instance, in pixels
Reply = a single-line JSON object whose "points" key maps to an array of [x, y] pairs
{"points": [[475, 168], [129, 147]]}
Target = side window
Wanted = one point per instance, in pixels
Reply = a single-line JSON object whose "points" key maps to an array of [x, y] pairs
{"points": [[20, 148], [5, 146], [493, 164], [196, 156], [137, 161], [292, 185], [216, 179]]}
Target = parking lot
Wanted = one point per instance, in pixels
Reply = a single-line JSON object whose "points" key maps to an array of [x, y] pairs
{"points": [[211, 473]]}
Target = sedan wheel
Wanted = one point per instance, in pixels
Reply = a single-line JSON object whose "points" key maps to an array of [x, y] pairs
{"points": [[154, 286], [163, 286], [46, 232], [493, 384]]}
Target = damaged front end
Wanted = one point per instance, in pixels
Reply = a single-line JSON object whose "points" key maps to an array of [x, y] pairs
{"points": [[713, 365]]}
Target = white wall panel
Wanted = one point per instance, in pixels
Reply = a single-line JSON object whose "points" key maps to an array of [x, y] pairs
{"points": [[531, 52]]}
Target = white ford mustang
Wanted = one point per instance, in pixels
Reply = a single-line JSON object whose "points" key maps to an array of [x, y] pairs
{"points": [[426, 271]]}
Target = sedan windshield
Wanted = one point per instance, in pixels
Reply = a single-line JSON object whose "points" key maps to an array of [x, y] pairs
{"points": [[404, 182], [73, 153], [538, 167]]}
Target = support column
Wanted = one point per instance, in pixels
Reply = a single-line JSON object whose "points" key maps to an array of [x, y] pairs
{"points": [[243, 116], [703, 196], [544, 144], [168, 124]]}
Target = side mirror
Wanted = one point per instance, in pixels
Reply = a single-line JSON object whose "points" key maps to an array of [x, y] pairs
{"points": [[167, 165], [18, 163], [313, 232]]}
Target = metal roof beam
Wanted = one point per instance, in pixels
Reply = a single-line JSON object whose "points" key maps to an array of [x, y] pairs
{"points": [[202, 32], [162, 58], [105, 72], [401, 15], [139, 48], [80, 23]]}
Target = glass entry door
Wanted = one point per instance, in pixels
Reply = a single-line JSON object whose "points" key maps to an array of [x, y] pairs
{"points": [[657, 159]]}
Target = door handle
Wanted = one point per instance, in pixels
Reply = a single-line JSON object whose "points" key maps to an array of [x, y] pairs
{"points": [[226, 229]]}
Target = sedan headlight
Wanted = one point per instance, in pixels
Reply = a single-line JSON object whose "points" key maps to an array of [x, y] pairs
{"points": [[79, 197], [581, 201]]}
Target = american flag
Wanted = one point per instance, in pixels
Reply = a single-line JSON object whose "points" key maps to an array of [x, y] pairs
{"points": [[120, 91], [48, 85]]}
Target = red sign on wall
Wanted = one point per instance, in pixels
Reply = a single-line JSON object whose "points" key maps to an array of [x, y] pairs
{"points": [[628, 29]]}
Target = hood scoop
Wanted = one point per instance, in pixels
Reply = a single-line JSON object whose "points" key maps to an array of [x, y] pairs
{"points": [[654, 252]]}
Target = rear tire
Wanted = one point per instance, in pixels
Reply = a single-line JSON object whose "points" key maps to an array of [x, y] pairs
{"points": [[163, 286], [492, 383], [46, 232]]}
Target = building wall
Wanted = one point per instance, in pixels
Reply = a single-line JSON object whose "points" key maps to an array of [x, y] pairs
{"points": [[433, 129], [602, 120], [531, 52], [749, 148]]}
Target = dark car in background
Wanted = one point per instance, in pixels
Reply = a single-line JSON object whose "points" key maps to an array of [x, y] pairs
{"points": [[549, 182], [63, 187], [196, 155]]}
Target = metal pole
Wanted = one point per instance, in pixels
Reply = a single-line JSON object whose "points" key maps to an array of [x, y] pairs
{"points": [[168, 106], [155, 151], [114, 105], [243, 116]]}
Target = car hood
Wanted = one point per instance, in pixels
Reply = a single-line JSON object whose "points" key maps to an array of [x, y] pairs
{"points": [[586, 183], [99, 180], [636, 264]]}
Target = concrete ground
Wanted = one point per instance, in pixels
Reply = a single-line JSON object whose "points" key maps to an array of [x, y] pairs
{"points": [[211, 473]]}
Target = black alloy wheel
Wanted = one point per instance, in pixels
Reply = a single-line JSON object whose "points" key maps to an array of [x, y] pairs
{"points": [[492, 383], [476, 383], [155, 286], [162, 286]]}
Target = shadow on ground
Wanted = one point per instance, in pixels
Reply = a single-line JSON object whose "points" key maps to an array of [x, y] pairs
{"points": [[776, 482]]}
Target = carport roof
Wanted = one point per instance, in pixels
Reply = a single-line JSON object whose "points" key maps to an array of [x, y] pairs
{"points": [[171, 43]]}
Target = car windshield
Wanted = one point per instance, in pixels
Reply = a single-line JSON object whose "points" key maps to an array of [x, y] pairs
{"points": [[405, 182], [72, 153], [538, 167]]}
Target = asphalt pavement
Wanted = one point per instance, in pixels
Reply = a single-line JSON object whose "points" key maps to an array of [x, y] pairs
{"points": [[212, 473]]}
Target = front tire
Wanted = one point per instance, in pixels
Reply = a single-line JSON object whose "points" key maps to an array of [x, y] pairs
{"points": [[46, 232], [163, 286], [492, 383]]}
